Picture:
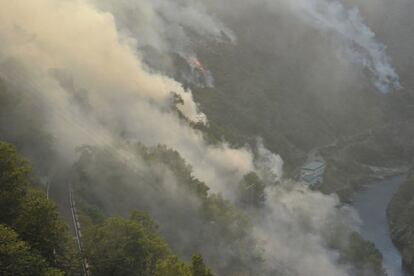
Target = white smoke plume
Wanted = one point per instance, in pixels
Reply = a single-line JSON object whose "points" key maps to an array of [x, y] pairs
{"points": [[268, 165], [295, 225], [199, 74], [122, 98], [352, 34], [57, 50], [344, 26], [167, 26]]}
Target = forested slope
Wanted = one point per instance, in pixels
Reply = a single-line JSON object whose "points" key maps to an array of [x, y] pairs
{"points": [[400, 216]]}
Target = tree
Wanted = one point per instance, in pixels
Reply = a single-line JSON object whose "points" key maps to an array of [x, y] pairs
{"points": [[16, 257], [145, 221], [252, 190], [198, 267], [173, 160], [14, 180], [172, 266], [123, 247], [39, 224], [34, 218], [363, 255]]}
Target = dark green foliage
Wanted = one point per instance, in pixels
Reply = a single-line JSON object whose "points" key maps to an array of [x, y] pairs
{"points": [[17, 258], [93, 213], [130, 247], [198, 268], [35, 220], [39, 224], [225, 220], [171, 266], [364, 256], [401, 220], [252, 190], [163, 185], [15, 175], [173, 160], [146, 221]]}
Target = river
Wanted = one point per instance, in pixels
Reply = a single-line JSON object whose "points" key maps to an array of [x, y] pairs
{"points": [[371, 204]]}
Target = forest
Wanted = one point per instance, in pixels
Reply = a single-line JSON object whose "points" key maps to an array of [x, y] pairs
{"points": [[170, 137]]}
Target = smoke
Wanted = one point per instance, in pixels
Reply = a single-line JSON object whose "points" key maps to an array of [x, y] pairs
{"points": [[359, 40], [74, 61], [121, 97], [198, 74], [296, 227], [348, 29], [267, 164], [344, 26], [173, 26], [167, 26]]}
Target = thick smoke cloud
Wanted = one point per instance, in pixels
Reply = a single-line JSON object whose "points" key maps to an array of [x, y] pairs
{"points": [[70, 57], [268, 164], [294, 226], [119, 97], [166, 26]]}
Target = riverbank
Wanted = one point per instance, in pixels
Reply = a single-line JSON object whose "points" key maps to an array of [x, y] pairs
{"points": [[347, 177], [353, 163], [371, 204], [400, 214]]}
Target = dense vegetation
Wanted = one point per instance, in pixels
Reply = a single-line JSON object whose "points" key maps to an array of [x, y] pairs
{"points": [[107, 190], [164, 187], [401, 220], [292, 99], [34, 240], [133, 247], [270, 78], [365, 256]]}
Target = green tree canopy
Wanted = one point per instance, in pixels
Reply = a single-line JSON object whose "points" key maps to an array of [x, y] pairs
{"points": [[363, 255], [34, 219], [38, 223], [252, 190], [172, 266], [123, 247], [14, 180], [198, 268], [16, 257], [133, 247]]}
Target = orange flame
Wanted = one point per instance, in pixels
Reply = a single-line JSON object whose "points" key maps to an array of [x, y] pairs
{"points": [[194, 61]]}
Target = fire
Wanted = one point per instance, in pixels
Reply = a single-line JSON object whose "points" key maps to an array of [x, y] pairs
{"points": [[196, 63], [200, 75]]}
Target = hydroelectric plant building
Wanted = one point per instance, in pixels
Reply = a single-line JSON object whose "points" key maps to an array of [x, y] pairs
{"points": [[312, 172]]}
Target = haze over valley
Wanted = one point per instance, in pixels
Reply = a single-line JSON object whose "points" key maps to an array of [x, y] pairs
{"points": [[189, 137]]}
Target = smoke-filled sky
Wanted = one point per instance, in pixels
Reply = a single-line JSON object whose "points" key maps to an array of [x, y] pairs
{"points": [[81, 60]]}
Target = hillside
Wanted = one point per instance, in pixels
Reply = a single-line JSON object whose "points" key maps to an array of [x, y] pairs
{"points": [[169, 134], [400, 216], [280, 84]]}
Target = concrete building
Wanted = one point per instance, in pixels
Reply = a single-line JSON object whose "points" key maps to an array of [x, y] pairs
{"points": [[312, 172]]}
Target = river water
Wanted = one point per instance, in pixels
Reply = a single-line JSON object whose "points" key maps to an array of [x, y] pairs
{"points": [[372, 206]]}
